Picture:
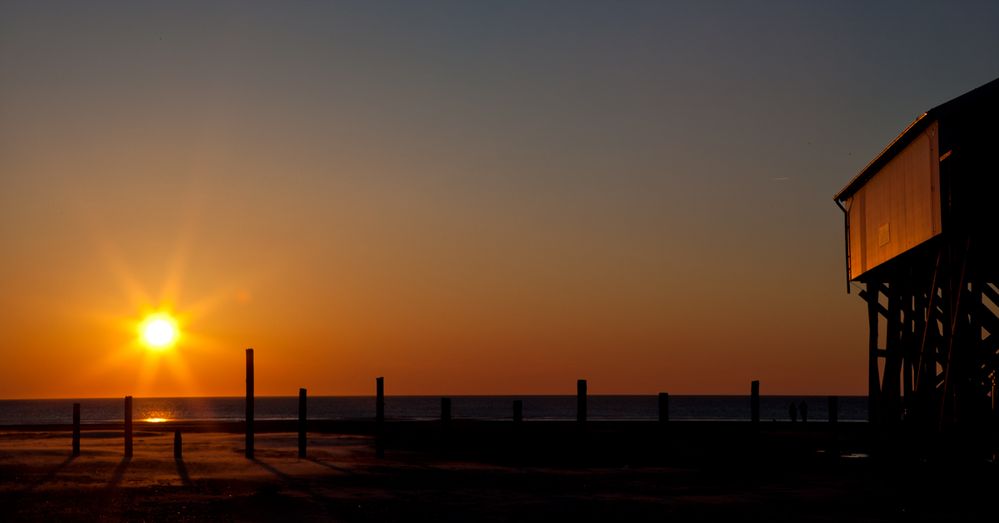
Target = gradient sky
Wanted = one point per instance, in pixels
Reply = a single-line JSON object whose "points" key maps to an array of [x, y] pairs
{"points": [[463, 197]]}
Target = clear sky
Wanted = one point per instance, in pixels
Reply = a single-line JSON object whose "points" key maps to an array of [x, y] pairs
{"points": [[463, 197]]}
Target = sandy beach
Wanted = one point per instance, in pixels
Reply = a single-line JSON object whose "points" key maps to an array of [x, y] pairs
{"points": [[342, 480]]}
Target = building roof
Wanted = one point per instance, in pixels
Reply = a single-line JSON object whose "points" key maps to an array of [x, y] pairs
{"points": [[959, 104]]}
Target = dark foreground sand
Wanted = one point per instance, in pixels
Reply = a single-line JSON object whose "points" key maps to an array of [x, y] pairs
{"points": [[343, 481]]}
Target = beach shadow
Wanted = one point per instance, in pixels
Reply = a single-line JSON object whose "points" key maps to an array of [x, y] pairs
{"points": [[118, 474], [301, 485], [330, 466], [280, 475], [182, 472], [50, 475]]}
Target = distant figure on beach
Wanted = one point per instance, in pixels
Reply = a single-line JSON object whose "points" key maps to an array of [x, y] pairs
{"points": [[803, 408], [792, 412]]}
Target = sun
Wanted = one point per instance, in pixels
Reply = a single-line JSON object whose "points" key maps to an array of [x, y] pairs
{"points": [[158, 331]]}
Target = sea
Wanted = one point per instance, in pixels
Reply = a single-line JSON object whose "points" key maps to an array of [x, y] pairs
{"points": [[538, 408]]}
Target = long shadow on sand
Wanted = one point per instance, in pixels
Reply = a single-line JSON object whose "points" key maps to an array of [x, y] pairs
{"points": [[300, 484], [280, 475], [50, 475], [330, 466], [118, 474], [182, 472]]}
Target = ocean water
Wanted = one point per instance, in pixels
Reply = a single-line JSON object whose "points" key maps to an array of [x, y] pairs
{"points": [[703, 408]]}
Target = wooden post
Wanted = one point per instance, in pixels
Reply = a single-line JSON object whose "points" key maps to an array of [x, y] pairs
{"points": [[581, 401], [302, 422], [128, 426], [249, 403], [379, 416], [833, 409], [873, 379], [76, 429], [754, 402], [518, 411], [445, 410], [995, 397], [663, 407], [178, 453]]}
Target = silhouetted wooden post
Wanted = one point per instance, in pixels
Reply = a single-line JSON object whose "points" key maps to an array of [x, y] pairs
{"points": [[128, 426], [995, 397], [833, 422], [663, 407], [518, 411], [76, 429], [249, 403], [581, 401], [379, 416], [754, 402], [302, 417], [873, 376], [445, 410], [178, 452]]}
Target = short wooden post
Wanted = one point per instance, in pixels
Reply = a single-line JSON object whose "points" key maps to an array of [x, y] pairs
{"points": [[754, 402], [518, 411], [833, 430], [995, 396], [663, 407], [581, 401], [445, 410], [302, 423], [249, 403], [128, 426], [178, 452], [76, 429], [379, 416]]}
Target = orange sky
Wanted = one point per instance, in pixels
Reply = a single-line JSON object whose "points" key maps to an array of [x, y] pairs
{"points": [[461, 200]]}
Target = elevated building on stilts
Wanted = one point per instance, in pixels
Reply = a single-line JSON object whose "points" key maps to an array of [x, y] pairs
{"points": [[921, 231]]}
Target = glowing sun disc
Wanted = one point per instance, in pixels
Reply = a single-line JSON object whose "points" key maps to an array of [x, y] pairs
{"points": [[158, 331]]}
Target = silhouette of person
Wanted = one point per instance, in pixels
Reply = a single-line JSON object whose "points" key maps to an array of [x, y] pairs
{"points": [[792, 412], [803, 409]]}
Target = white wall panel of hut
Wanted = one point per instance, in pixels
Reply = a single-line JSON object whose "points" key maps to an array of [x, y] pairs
{"points": [[921, 224]]}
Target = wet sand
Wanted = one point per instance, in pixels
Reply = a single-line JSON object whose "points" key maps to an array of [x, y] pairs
{"points": [[342, 480]]}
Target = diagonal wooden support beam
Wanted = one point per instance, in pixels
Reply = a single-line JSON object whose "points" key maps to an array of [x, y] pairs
{"points": [[990, 293], [988, 319], [882, 310]]}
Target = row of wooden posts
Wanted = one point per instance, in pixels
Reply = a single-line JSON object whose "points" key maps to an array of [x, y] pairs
{"points": [[518, 414]]}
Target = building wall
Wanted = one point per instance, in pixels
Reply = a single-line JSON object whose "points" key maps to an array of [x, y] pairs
{"points": [[898, 208]]}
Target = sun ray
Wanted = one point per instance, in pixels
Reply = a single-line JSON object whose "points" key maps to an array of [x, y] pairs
{"points": [[146, 376], [181, 372], [209, 303], [155, 342], [129, 284], [112, 361], [170, 291]]}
